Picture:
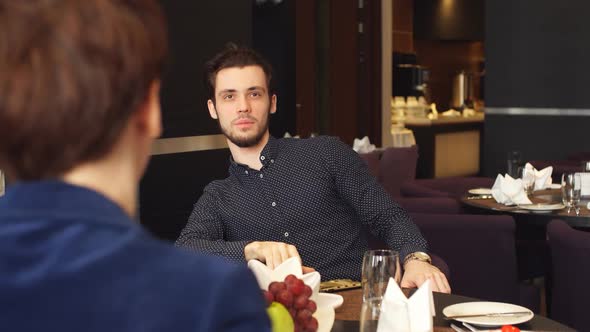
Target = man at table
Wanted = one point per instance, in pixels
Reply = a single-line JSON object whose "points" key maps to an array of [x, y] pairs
{"points": [[79, 110], [305, 198]]}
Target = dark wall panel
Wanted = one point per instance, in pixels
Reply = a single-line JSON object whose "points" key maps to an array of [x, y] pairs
{"points": [[537, 59], [197, 30], [273, 27], [536, 137], [173, 183], [537, 53]]}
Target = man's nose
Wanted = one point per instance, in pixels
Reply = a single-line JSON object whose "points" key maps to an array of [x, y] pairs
{"points": [[243, 104]]}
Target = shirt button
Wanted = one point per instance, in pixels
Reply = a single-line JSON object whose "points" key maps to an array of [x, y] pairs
{"points": [[273, 204], [272, 161], [286, 234], [262, 158], [261, 176], [246, 172]]}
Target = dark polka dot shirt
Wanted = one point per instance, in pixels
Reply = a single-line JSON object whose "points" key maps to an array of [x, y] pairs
{"points": [[313, 193]]}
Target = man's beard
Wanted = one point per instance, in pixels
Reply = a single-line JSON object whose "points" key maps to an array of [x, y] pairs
{"points": [[246, 141]]}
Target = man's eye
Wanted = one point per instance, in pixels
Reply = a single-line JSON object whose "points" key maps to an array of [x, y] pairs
{"points": [[255, 94], [228, 97]]}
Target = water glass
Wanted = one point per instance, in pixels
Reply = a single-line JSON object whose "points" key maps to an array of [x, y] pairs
{"points": [[571, 188], [378, 267], [370, 312]]}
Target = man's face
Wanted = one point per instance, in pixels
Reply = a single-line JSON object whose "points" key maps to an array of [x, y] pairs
{"points": [[242, 104]]}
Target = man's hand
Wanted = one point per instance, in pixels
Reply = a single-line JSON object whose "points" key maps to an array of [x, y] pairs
{"points": [[270, 253], [417, 272]]}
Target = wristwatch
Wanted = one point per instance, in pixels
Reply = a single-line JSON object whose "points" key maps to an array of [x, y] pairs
{"points": [[419, 256]]}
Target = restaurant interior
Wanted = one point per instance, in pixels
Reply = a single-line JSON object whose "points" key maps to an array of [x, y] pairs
{"points": [[451, 93]]}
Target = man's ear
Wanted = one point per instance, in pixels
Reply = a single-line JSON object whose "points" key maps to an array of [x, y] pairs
{"points": [[273, 104], [212, 110], [149, 118]]}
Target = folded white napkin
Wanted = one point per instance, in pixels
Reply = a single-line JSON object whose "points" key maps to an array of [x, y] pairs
{"points": [[264, 275], [509, 191], [585, 185], [542, 178], [363, 145], [399, 313]]}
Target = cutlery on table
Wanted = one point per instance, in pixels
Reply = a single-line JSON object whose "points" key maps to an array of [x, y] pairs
{"points": [[480, 197]]}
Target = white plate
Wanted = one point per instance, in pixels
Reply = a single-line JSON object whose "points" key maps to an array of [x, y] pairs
{"points": [[542, 207], [470, 308], [329, 300], [325, 317], [480, 191]]}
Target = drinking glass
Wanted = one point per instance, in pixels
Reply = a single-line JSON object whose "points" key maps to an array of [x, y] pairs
{"points": [[571, 187], [378, 267], [514, 161], [370, 312]]}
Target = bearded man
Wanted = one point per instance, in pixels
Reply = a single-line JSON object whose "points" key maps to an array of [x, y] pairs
{"points": [[304, 198]]}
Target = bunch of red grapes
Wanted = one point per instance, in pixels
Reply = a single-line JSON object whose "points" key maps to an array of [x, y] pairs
{"points": [[295, 296]]}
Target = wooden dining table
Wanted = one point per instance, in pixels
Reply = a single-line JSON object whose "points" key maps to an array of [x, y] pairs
{"points": [[348, 315]]}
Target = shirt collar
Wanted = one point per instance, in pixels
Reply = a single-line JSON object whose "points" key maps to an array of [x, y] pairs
{"points": [[267, 157]]}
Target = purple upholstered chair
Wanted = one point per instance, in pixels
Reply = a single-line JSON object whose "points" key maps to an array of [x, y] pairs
{"points": [[396, 167], [480, 252], [376, 243], [570, 254], [436, 205], [449, 187], [372, 161]]}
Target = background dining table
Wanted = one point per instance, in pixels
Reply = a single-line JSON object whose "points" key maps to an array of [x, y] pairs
{"points": [[485, 203], [348, 315]]}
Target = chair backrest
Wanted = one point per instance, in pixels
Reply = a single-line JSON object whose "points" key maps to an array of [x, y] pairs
{"points": [[397, 166], [479, 250], [372, 161], [570, 255]]}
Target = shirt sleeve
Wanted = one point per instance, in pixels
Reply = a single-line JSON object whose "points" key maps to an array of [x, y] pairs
{"points": [[204, 231], [385, 219]]}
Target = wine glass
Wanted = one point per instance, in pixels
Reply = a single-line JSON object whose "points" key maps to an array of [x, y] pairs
{"points": [[571, 187]]}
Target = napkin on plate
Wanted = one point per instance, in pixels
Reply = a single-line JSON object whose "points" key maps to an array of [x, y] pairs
{"points": [[264, 275], [399, 313], [585, 185], [542, 178], [363, 145], [509, 191]]}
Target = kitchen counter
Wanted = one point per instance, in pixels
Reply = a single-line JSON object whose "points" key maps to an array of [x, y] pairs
{"points": [[443, 120], [448, 146]]}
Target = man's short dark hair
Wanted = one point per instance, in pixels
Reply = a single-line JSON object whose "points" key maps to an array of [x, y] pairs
{"points": [[71, 74], [234, 56]]}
